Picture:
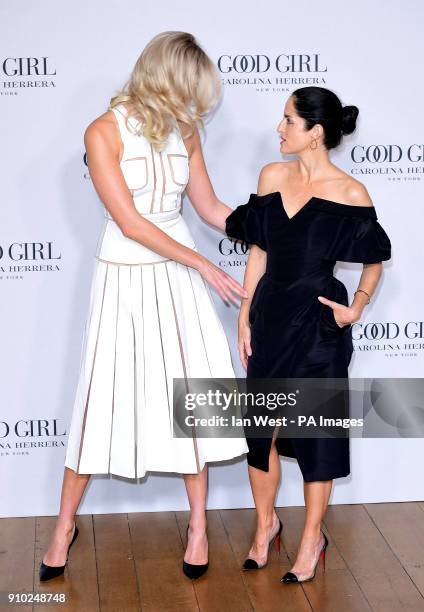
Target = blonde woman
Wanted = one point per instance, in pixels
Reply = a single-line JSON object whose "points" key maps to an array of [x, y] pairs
{"points": [[151, 315]]}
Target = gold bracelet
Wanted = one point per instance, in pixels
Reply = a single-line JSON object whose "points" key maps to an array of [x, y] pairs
{"points": [[362, 290]]}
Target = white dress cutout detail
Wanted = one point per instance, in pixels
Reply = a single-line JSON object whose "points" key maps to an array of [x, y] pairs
{"points": [[150, 319]]}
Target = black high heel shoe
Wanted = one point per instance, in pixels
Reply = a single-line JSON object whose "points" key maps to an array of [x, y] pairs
{"points": [[47, 572], [194, 571], [290, 577], [251, 564]]}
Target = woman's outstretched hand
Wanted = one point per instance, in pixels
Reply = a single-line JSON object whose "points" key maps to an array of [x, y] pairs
{"points": [[343, 315], [227, 287]]}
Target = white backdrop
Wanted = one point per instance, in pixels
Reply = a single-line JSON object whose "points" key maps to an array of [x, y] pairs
{"points": [[73, 57]]}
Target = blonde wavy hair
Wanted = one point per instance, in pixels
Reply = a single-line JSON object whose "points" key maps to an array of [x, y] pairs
{"points": [[172, 80]]}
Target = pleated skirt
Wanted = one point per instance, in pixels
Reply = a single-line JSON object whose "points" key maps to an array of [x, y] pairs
{"points": [[147, 323]]}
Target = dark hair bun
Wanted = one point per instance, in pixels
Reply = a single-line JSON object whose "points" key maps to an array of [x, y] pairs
{"points": [[320, 105], [349, 116]]}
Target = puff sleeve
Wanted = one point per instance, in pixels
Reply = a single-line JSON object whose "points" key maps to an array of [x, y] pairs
{"points": [[359, 239], [247, 222]]}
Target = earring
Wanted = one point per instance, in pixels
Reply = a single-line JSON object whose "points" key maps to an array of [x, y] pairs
{"points": [[314, 140]]}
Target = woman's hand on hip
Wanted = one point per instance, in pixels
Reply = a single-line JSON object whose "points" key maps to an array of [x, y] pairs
{"points": [[343, 315]]}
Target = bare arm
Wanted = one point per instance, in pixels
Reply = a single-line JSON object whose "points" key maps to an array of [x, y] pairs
{"points": [[357, 194], [369, 280], [199, 188], [371, 273], [255, 268], [103, 144]]}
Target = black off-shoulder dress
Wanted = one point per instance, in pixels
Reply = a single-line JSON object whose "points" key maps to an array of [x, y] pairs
{"points": [[292, 333]]}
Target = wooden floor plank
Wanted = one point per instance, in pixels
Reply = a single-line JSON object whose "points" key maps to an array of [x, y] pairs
{"points": [[264, 588], [17, 558], [374, 562], [402, 526], [376, 569], [117, 576], [332, 591], [79, 581], [222, 587], [158, 552]]}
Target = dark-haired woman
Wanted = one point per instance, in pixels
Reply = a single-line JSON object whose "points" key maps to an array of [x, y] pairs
{"points": [[307, 215]]}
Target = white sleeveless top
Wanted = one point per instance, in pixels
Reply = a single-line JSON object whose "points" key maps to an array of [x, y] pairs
{"points": [[156, 181]]}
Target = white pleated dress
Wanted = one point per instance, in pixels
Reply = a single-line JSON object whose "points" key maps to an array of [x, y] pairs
{"points": [[150, 319]]}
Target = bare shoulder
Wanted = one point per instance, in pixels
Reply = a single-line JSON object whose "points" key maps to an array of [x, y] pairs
{"points": [[102, 129], [356, 193], [102, 124], [276, 169], [273, 174]]}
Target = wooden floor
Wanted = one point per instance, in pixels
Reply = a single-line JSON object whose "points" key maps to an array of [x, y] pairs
{"points": [[125, 562]]}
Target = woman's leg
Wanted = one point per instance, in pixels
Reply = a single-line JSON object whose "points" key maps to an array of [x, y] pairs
{"points": [[264, 488], [197, 544], [73, 488], [316, 496]]}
